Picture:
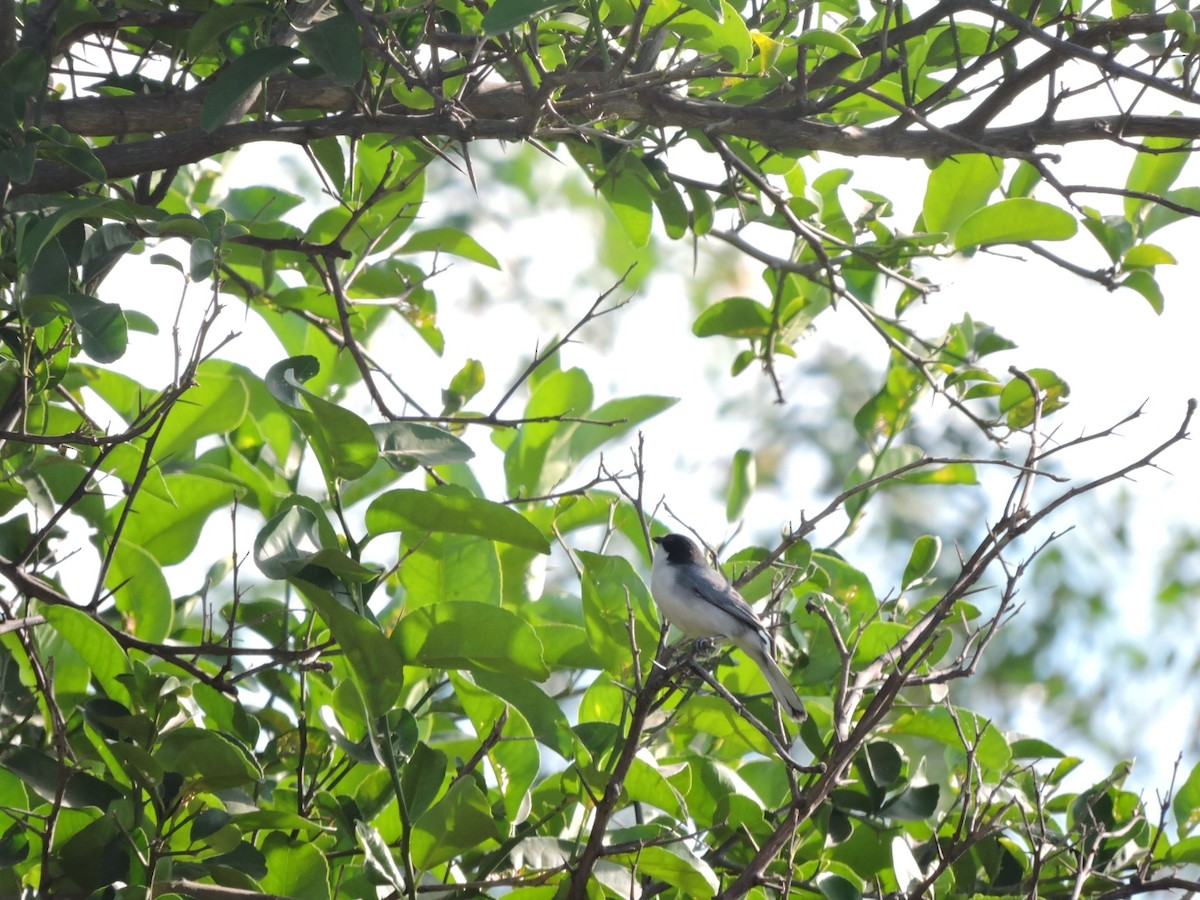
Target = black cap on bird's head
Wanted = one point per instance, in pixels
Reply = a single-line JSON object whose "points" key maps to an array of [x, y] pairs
{"points": [[680, 549]]}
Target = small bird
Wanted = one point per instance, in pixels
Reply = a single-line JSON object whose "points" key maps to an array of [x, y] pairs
{"points": [[700, 602]]}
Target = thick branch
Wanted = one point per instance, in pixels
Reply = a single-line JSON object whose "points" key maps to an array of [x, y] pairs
{"points": [[509, 113]]}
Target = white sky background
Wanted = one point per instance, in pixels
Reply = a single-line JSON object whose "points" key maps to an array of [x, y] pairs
{"points": [[1112, 349]]}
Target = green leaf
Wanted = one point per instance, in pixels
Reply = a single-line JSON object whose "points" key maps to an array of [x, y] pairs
{"points": [[141, 592], [541, 711], [238, 79], [102, 327], [627, 189], [626, 413], [734, 317], [335, 45], [1160, 216], [216, 404], [460, 821], [218, 762], [957, 188], [44, 776], [449, 240], [447, 510], [1145, 256], [459, 634], [832, 40], [296, 869], [344, 443], [443, 566], [406, 445], [217, 21], [169, 530], [92, 641], [611, 589], [1145, 284], [378, 668], [540, 458], [992, 751], [1017, 403], [31, 242], [838, 887], [1186, 803], [1154, 172], [294, 539], [377, 857], [1014, 221], [505, 15], [742, 478], [924, 557]]}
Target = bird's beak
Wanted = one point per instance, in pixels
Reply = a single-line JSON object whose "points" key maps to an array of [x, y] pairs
{"points": [[657, 540]]}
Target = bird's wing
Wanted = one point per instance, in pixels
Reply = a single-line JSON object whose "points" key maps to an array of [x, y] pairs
{"points": [[709, 585]]}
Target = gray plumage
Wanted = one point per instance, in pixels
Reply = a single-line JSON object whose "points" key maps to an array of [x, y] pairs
{"points": [[700, 602]]}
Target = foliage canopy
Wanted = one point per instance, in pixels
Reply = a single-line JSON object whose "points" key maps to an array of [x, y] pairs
{"points": [[381, 692]]}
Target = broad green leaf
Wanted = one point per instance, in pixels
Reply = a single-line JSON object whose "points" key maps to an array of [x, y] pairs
{"points": [[169, 529], [344, 443], [541, 711], [449, 240], [377, 856], [350, 440], [140, 592], [44, 776], [734, 317], [216, 404], [992, 751], [93, 642], [462, 820], [505, 15], [612, 591], [646, 783], [743, 476], [1144, 256], [218, 762], [1145, 284], [234, 83], [335, 45], [218, 20], [296, 538], [1015, 221], [1016, 400], [626, 413], [406, 445], [832, 40], [443, 566], [103, 331], [378, 668], [539, 458], [1186, 802], [958, 187], [295, 868], [444, 509], [460, 634], [515, 759], [1035, 748], [626, 187], [32, 241], [1160, 216], [725, 35], [924, 557], [1154, 172]]}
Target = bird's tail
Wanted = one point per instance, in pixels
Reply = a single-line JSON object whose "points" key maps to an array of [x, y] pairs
{"points": [[784, 693]]}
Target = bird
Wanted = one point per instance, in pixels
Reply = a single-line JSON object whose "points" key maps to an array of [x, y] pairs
{"points": [[700, 602]]}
